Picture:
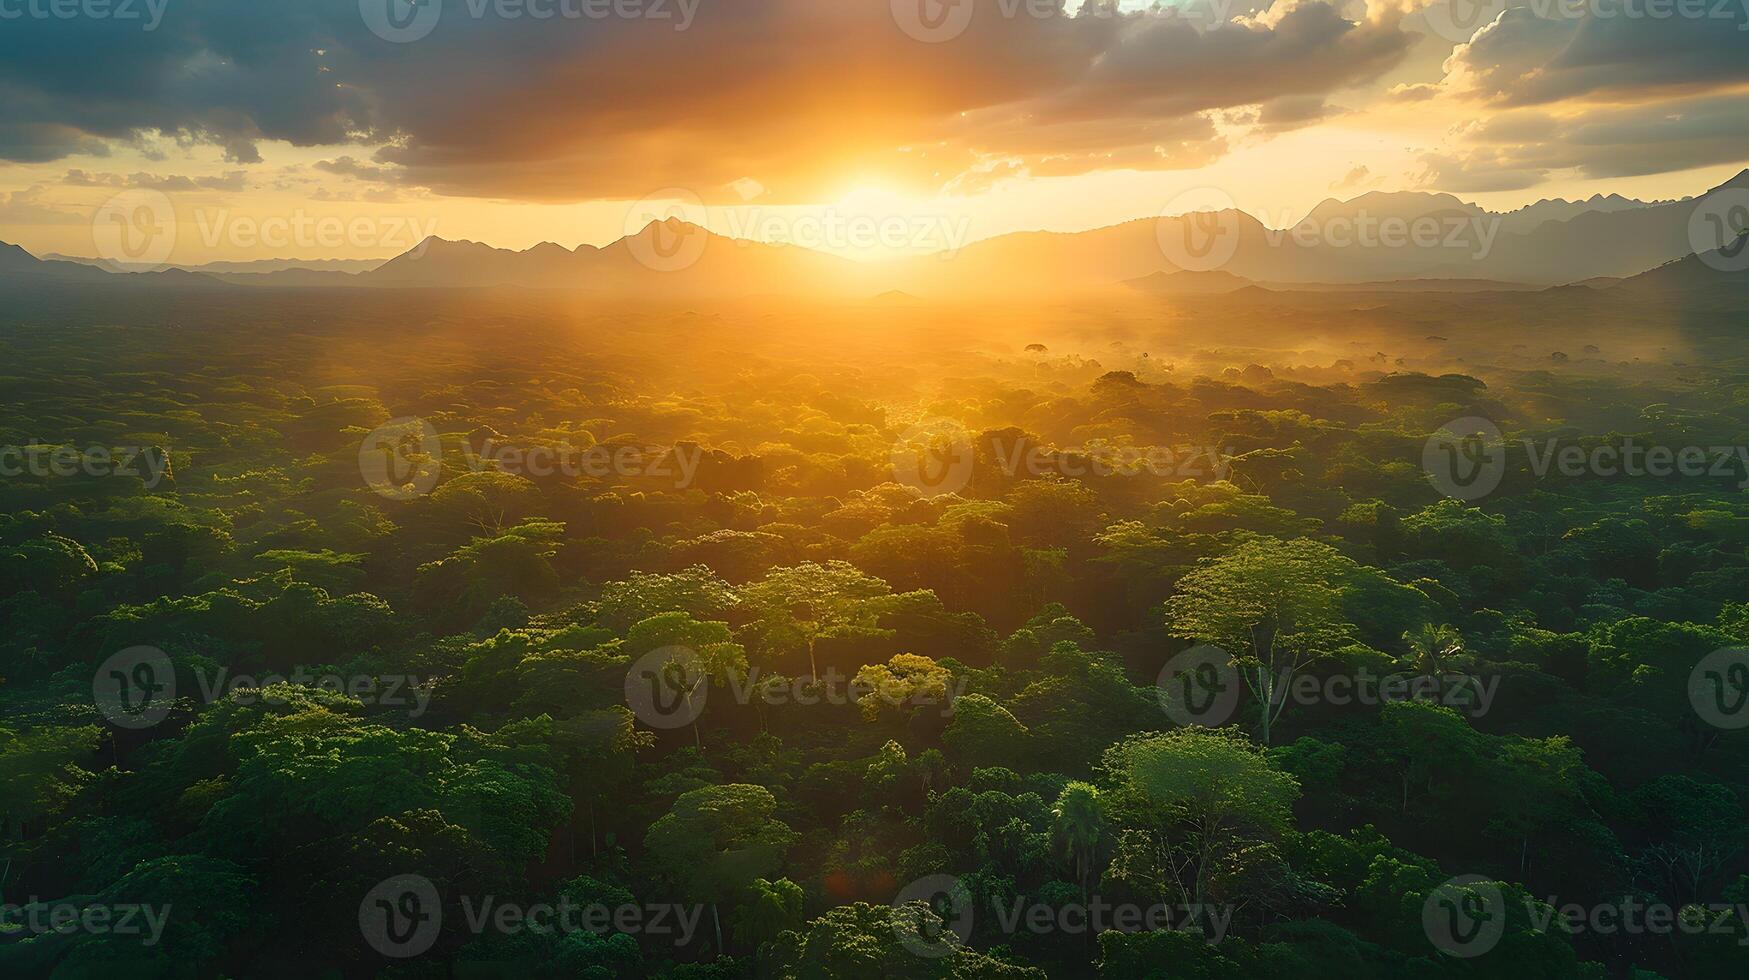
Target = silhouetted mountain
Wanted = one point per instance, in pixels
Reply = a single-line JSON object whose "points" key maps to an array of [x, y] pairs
{"points": [[1186, 283], [1434, 241], [1726, 268], [12, 257], [1377, 237], [664, 258], [1393, 205], [437, 262], [253, 267], [15, 262], [20, 267], [1527, 218]]}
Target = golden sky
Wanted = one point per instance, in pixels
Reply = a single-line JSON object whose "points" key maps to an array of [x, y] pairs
{"points": [[860, 127]]}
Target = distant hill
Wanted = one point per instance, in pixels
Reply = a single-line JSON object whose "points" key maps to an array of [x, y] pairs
{"points": [[1369, 239], [251, 267], [15, 262], [1695, 273], [1527, 218], [1403, 241], [1186, 283], [664, 258], [18, 265]]}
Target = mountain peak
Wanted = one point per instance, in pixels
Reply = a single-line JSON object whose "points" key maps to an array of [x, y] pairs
{"points": [[672, 226], [1389, 204], [1739, 181], [15, 257]]}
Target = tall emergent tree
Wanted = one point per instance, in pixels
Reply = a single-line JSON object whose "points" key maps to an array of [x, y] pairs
{"points": [[1274, 606], [797, 606]]}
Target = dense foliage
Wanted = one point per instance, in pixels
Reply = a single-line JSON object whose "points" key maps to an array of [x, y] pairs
{"points": [[880, 685]]}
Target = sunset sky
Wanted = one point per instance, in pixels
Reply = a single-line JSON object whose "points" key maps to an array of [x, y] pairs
{"points": [[478, 119]]}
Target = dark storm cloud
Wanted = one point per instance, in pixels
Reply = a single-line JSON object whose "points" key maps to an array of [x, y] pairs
{"points": [[797, 94], [1524, 59], [1519, 149]]}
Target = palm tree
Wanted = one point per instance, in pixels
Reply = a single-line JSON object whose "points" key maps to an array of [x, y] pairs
{"points": [[1078, 823], [775, 907], [1435, 649]]}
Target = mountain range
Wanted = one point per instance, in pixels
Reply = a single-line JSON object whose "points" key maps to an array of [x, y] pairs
{"points": [[1380, 240]]}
